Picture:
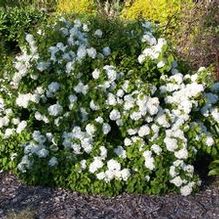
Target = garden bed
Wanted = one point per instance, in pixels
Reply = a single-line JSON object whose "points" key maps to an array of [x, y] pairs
{"points": [[60, 203]]}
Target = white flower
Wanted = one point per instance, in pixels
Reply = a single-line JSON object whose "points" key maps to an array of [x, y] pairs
{"points": [[136, 116], [8, 112], [160, 64], [113, 165], [132, 131], [106, 51], [162, 120], [103, 152], [147, 178], [181, 154], [90, 129], [111, 73], [111, 100], [106, 128], [99, 119], [72, 98], [55, 110], [21, 126], [156, 148], [8, 132], [38, 137], [54, 87], [101, 175], [189, 169], [172, 171], [82, 52], [92, 52], [127, 142], [96, 164], [43, 153], [1, 104], [93, 106], [149, 160], [177, 181], [23, 100], [42, 66], [83, 164], [125, 174], [38, 116], [15, 121], [215, 114], [120, 152], [209, 141], [171, 143], [98, 33], [96, 73], [4, 121], [30, 39], [143, 131], [120, 93], [85, 27], [81, 88], [186, 190], [114, 115], [53, 162], [149, 38], [35, 98]]}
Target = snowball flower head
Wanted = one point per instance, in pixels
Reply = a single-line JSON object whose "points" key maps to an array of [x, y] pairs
{"points": [[55, 110]]}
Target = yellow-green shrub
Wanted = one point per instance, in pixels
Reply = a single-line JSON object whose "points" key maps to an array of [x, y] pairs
{"points": [[161, 11], [76, 6]]}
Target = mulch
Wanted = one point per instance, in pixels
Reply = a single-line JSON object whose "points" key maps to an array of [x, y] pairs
{"points": [[51, 203]]}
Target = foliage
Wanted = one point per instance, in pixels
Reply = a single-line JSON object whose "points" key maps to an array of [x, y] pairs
{"points": [[48, 5], [214, 168], [161, 11], [102, 107], [14, 23], [74, 6]]}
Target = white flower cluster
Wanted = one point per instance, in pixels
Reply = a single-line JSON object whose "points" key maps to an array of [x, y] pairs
{"points": [[23, 62], [36, 147], [154, 50]]}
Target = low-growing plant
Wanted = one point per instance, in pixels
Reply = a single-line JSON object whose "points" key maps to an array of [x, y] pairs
{"points": [[103, 107]]}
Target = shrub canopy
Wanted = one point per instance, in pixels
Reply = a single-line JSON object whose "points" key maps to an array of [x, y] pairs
{"points": [[103, 107]]}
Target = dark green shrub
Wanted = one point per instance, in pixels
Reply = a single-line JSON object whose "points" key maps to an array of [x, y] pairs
{"points": [[15, 23]]}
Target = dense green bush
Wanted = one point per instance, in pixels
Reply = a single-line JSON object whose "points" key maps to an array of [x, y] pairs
{"points": [[15, 23], [103, 107]]}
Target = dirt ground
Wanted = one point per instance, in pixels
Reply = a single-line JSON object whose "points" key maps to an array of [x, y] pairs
{"points": [[49, 203]]}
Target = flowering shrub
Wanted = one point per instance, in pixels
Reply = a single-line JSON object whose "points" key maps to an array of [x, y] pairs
{"points": [[102, 109]]}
